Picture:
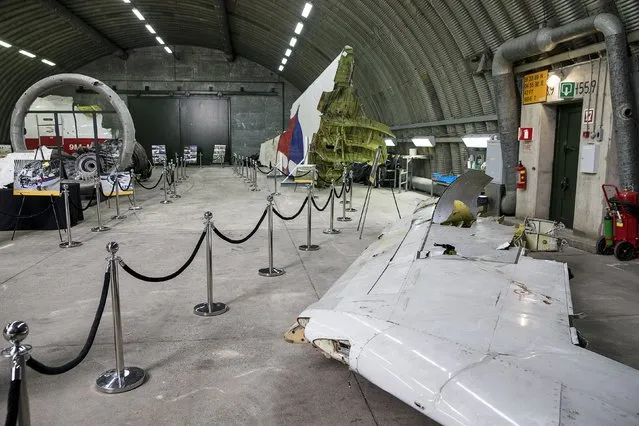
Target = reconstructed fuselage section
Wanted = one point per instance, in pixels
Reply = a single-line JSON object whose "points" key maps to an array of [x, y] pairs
{"points": [[464, 332]]}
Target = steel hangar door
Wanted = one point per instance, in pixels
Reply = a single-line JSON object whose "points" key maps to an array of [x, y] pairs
{"points": [[180, 122], [566, 160]]}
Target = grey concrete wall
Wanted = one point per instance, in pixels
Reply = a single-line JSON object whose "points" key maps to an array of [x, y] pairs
{"points": [[254, 119]]}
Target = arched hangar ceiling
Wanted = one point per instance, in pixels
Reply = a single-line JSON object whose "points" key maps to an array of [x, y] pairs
{"points": [[419, 61]]}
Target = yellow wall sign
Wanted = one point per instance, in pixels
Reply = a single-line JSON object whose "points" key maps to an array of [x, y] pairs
{"points": [[535, 88]]}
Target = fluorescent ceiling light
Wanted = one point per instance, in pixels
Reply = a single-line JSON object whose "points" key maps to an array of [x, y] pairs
{"points": [[307, 10], [127, 1], [298, 28], [476, 141], [293, 42], [284, 61], [288, 52], [159, 40], [389, 142], [51, 64], [150, 28], [29, 54], [138, 14], [427, 141], [4, 44], [281, 68], [167, 49]]}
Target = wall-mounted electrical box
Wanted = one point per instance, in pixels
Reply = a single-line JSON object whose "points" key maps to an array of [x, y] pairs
{"points": [[494, 167], [589, 161]]}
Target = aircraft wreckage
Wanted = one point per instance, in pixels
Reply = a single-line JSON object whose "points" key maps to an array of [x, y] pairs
{"points": [[465, 333]]}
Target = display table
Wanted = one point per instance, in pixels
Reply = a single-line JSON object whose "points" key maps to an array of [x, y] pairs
{"points": [[10, 204]]}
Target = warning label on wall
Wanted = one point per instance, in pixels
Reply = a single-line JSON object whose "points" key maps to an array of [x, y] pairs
{"points": [[535, 87]]}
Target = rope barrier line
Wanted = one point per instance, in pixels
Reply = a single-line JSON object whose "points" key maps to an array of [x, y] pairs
{"points": [[259, 168], [13, 404], [325, 205], [88, 204], [146, 187], [278, 214], [341, 192], [124, 189], [26, 217], [141, 277], [245, 239], [50, 371]]}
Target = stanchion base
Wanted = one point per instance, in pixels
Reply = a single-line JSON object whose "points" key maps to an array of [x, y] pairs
{"points": [[332, 231], [271, 272], [203, 309], [135, 208], [312, 247], [350, 210], [166, 202], [175, 196], [112, 382], [70, 244], [344, 219], [100, 229], [122, 216]]}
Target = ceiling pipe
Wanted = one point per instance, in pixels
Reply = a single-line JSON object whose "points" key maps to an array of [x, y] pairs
{"points": [[545, 40]]}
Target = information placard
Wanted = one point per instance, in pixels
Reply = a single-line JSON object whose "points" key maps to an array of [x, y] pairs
{"points": [[535, 88]]}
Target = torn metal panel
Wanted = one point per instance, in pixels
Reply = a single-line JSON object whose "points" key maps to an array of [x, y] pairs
{"points": [[478, 337]]}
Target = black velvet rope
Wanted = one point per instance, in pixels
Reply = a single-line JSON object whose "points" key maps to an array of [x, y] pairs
{"points": [[88, 204], [147, 187], [325, 205], [341, 192], [264, 173], [13, 404], [127, 188], [44, 369], [278, 214], [26, 217], [141, 277], [245, 239], [349, 187]]}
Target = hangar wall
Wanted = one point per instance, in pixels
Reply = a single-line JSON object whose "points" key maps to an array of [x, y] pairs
{"points": [[254, 118], [537, 155]]}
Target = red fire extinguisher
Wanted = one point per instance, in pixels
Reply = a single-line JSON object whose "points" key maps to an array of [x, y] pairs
{"points": [[522, 176]]}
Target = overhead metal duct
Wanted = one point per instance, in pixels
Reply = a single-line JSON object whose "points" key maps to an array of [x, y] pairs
{"points": [[545, 40], [61, 80]]}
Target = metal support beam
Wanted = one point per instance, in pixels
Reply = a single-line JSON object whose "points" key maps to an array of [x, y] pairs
{"points": [[81, 26], [448, 122], [225, 30]]}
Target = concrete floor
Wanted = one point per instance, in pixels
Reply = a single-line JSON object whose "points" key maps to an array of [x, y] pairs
{"points": [[235, 368]]}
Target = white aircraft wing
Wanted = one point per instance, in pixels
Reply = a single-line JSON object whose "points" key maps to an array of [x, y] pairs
{"points": [[480, 337]]}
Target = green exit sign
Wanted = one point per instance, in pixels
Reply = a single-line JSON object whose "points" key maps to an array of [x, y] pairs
{"points": [[567, 90]]}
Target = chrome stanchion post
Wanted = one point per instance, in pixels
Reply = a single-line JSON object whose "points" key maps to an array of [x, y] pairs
{"points": [[200, 160], [67, 212], [166, 200], [344, 218], [309, 246], [184, 162], [98, 191], [175, 194], [121, 379], [171, 171], [270, 271], [331, 229], [209, 308], [350, 194], [242, 167], [178, 169], [275, 182], [14, 333], [116, 182], [132, 176], [255, 187]]}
